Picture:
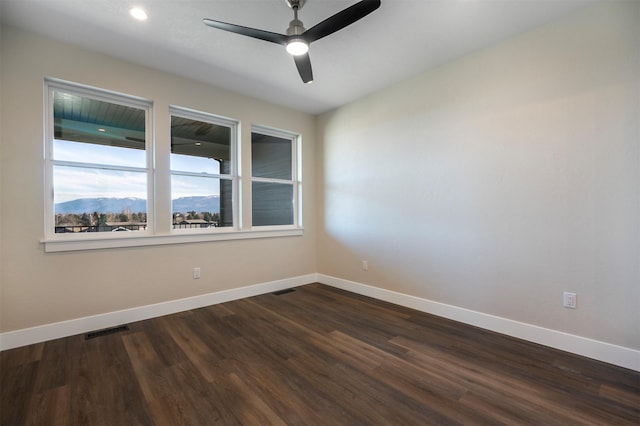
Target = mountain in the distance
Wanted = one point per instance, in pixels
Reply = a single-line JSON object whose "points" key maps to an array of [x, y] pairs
{"points": [[136, 205], [102, 205], [209, 204]]}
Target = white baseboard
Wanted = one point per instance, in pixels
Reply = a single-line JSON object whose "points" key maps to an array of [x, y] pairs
{"points": [[28, 336], [612, 354], [601, 351]]}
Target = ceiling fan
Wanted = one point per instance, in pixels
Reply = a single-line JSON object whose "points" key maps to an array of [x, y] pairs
{"points": [[297, 38]]}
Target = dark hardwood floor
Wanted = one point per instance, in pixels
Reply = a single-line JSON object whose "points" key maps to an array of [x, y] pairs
{"points": [[315, 356]]}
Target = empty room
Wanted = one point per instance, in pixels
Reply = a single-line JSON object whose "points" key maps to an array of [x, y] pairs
{"points": [[319, 212]]}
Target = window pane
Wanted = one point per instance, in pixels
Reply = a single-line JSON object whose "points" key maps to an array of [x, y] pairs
{"points": [[98, 154], [186, 163], [200, 147], [272, 204], [201, 202], [270, 157], [94, 131], [96, 200]]}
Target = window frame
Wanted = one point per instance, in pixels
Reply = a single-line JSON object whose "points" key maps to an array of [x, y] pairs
{"points": [[296, 174], [158, 173], [53, 85], [234, 176]]}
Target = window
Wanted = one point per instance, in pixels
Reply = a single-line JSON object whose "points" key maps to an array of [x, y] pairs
{"points": [[110, 182], [275, 185], [99, 162], [203, 170]]}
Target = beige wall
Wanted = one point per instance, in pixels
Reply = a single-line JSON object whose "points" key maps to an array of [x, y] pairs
{"points": [[40, 288], [499, 181]]}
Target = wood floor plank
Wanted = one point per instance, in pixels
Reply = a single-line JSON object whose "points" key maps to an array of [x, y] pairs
{"points": [[51, 407], [281, 390], [618, 393], [253, 409], [83, 382], [314, 356], [118, 397], [192, 345], [502, 390], [147, 366], [17, 384], [167, 350], [51, 372], [193, 400], [21, 355]]}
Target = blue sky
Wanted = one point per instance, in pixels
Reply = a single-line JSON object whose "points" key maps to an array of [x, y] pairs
{"points": [[71, 183]]}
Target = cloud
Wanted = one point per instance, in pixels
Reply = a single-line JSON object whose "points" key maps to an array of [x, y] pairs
{"points": [[98, 154], [72, 183], [190, 186]]}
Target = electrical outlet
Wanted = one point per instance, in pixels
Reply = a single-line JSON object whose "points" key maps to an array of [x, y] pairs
{"points": [[365, 265], [196, 273], [570, 300]]}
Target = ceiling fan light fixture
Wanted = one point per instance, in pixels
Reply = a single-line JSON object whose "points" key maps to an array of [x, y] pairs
{"points": [[297, 47], [138, 13]]}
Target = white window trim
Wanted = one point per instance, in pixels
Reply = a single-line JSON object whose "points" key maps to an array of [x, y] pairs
{"points": [[235, 167], [52, 85], [296, 174], [53, 242], [109, 241]]}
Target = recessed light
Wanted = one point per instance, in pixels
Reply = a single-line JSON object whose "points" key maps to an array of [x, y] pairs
{"points": [[138, 13]]}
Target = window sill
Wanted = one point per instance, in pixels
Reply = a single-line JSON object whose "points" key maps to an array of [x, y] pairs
{"points": [[59, 245]]}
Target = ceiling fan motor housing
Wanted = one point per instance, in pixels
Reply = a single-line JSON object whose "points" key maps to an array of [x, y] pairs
{"points": [[295, 28], [295, 4]]}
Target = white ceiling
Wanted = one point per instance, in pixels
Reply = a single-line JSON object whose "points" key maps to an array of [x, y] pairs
{"points": [[401, 39]]}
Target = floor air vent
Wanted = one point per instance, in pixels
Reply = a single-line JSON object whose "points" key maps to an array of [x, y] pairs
{"points": [[281, 292], [106, 331]]}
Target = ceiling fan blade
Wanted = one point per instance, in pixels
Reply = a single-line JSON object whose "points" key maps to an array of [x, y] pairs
{"points": [[303, 63], [341, 19], [246, 31]]}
